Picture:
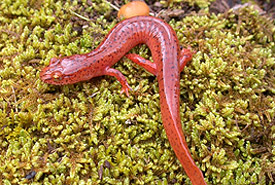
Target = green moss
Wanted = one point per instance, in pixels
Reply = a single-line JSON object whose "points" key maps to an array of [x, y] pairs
{"points": [[200, 3], [88, 133]]}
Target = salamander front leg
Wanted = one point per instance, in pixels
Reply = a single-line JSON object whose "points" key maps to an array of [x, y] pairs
{"points": [[146, 64], [121, 78]]}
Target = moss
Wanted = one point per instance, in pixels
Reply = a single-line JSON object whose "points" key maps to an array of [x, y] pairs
{"points": [[88, 133], [200, 3]]}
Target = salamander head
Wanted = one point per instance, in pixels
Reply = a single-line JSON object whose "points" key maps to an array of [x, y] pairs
{"points": [[62, 70]]}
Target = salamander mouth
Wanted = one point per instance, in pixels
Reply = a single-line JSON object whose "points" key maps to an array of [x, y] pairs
{"points": [[55, 77], [44, 75], [47, 77]]}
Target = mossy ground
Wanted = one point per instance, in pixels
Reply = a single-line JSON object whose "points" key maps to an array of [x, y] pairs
{"points": [[87, 133]]}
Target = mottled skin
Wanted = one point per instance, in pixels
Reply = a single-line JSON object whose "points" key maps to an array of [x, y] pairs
{"points": [[168, 63]]}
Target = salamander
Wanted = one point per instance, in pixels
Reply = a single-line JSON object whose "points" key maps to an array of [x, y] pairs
{"points": [[169, 61]]}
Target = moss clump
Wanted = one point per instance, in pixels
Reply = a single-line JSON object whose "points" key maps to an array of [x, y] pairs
{"points": [[199, 3], [230, 88], [87, 133]]}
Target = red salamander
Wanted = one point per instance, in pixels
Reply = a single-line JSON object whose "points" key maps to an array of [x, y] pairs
{"points": [[169, 61]]}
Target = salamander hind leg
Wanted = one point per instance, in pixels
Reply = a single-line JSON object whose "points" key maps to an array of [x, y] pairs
{"points": [[185, 57], [146, 64], [121, 78]]}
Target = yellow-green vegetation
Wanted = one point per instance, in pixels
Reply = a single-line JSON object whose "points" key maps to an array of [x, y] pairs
{"points": [[199, 3], [87, 133]]}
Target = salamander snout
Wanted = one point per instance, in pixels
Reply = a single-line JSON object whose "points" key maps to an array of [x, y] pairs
{"points": [[52, 74]]}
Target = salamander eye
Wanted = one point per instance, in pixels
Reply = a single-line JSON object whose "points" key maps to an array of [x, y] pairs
{"points": [[57, 75]]}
